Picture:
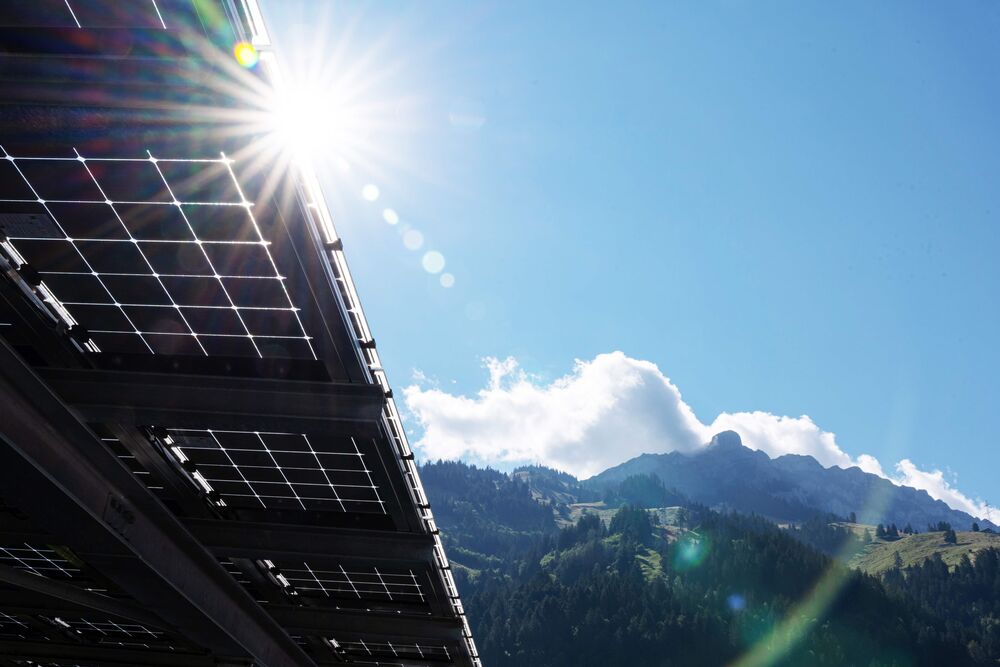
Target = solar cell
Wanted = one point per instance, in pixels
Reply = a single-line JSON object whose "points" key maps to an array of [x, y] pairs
{"points": [[51, 13]]}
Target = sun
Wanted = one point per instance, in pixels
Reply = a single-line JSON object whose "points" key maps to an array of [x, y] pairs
{"points": [[315, 121]]}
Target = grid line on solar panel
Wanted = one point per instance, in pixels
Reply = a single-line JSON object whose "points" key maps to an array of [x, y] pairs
{"points": [[154, 255], [7, 621], [372, 584], [73, 14], [401, 650], [111, 628], [88, 14], [13, 627], [270, 470], [235, 572], [40, 561], [111, 632]]}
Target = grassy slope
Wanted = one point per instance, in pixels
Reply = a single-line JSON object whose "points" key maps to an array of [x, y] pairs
{"points": [[878, 556], [650, 561], [874, 559], [651, 564], [666, 515]]}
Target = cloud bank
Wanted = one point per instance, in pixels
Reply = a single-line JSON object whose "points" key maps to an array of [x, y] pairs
{"points": [[610, 409]]}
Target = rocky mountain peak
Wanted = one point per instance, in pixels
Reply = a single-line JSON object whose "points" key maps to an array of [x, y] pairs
{"points": [[726, 440]]}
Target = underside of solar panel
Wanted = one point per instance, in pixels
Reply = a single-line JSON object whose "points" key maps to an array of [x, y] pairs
{"points": [[200, 459]]}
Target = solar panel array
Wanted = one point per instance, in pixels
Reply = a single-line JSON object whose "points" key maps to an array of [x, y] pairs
{"points": [[136, 240]]}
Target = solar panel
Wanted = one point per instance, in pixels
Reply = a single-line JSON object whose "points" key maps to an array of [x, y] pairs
{"points": [[390, 650], [157, 256], [110, 631], [38, 560], [274, 470], [339, 582]]}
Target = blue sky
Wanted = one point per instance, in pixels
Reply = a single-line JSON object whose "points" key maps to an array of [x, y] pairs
{"points": [[787, 207]]}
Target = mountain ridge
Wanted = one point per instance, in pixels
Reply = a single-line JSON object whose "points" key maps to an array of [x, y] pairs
{"points": [[727, 474]]}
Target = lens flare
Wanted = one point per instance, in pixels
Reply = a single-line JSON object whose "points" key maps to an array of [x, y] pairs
{"points": [[773, 644], [447, 280], [690, 552], [433, 262], [246, 55], [413, 240]]}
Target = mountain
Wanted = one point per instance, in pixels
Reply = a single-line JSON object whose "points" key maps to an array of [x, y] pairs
{"points": [[725, 474], [688, 586]]}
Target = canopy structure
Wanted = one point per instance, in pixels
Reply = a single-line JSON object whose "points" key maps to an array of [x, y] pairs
{"points": [[200, 458]]}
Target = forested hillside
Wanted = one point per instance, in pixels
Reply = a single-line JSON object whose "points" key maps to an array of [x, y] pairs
{"points": [[687, 586]]}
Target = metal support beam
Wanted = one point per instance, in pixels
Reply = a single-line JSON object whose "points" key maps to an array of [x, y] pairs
{"points": [[71, 481], [280, 541], [395, 661], [341, 546], [160, 468], [341, 623], [326, 315], [195, 401], [39, 329]]}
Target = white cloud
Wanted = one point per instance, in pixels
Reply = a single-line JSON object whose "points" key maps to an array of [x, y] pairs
{"points": [[602, 413], [778, 436], [937, 487], [421, 378], [869, 463], [610, 409]]}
